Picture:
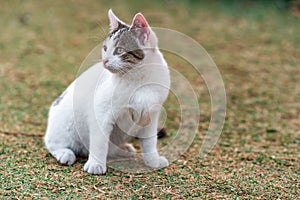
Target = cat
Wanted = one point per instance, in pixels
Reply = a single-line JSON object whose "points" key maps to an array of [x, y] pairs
{"points": [[114, 105]]}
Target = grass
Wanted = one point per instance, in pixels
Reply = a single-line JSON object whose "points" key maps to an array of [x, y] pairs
{"points": [[254, 44]]}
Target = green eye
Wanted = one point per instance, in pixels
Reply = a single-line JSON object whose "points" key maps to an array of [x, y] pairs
{"points": [[119, 50]]}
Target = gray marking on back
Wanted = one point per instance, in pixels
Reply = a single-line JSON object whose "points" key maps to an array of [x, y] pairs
{"points": [[58, 100]]}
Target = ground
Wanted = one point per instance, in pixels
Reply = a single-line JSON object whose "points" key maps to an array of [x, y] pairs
{"points": [[256, 48]]}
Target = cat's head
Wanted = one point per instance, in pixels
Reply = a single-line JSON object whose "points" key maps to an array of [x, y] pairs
{"points": [[127, 46]]}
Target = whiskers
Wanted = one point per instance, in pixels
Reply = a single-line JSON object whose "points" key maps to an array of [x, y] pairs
{"points": [[102, 33]]}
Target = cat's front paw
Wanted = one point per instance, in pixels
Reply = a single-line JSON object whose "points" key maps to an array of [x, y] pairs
{"points": [[163, 162], [65, 156], [156, 162], [94, 167]]}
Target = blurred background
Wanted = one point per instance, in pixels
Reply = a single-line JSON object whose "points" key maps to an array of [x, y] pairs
{"points": [[255, 44]]}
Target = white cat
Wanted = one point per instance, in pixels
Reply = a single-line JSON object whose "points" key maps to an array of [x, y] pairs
{"points": [[102, 109]]}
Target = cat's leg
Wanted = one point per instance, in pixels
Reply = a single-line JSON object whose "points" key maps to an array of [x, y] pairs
{"points": [[149, 145], [98, 148], [150, 155], [57, 145]]}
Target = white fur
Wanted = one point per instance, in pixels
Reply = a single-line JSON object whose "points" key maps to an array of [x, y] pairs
{"points": [[100, 109]]}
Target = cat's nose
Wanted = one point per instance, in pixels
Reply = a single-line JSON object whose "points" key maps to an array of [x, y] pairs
{"points": [[104, 61]]}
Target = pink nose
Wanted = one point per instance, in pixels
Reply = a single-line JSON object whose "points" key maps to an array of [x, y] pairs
{"points": [[104, 61]]}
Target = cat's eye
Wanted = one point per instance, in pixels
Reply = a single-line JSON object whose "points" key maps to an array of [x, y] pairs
{"points": [[119, 50], [104, 47]]}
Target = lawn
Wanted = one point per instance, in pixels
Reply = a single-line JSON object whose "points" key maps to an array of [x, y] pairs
{"points": [[255, 45]]}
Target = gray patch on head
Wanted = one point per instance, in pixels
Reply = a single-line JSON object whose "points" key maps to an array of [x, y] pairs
{"points": [[120, 28], [119, 33], [127, 39], [58, 100]]}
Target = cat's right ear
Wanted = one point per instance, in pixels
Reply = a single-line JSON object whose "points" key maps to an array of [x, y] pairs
{"points": [[115, 22]]}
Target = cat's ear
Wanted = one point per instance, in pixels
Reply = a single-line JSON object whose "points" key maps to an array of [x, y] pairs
{"points": [[141, 26], [115, 22]]}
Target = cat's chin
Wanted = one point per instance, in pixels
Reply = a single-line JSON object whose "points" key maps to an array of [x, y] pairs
{"points": [[115, 70], [112, 69]]}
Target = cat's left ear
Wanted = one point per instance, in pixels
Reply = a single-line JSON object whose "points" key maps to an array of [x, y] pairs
{"points": [[141, 26]]}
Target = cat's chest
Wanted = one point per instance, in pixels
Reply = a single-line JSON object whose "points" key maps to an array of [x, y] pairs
{"points": [[119, 97], [128, 109], [127, 93]]}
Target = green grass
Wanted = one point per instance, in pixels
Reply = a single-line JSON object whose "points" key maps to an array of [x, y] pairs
{"points": [[254, 44]]}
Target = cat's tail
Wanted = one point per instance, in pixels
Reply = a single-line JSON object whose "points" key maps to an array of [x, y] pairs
{"points": [[161, 133]]}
